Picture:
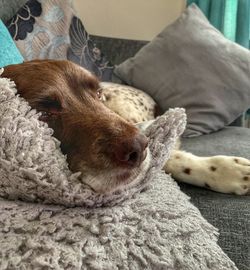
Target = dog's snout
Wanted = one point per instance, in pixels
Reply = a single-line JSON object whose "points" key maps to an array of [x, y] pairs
{"points": [[131, 152]]}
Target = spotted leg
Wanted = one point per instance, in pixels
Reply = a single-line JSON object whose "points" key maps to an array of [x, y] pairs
{"points": [[226, 174]]}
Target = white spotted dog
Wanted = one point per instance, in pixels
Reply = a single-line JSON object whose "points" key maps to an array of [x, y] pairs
{"points": [[226, 174]]}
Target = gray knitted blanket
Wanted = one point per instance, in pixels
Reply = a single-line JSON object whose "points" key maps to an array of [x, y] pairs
{"points": [[148, 224]]}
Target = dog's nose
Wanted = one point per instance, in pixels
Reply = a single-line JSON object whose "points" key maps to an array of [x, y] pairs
{"points": [[131, 152]]}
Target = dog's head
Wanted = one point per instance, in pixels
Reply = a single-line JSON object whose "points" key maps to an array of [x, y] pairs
{"points": [[108, 150]]}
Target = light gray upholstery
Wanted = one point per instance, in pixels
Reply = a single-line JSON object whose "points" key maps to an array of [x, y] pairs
{"points": [[229, 213]]}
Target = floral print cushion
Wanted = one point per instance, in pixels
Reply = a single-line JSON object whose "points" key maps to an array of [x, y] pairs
{"points": [[49, 29]]}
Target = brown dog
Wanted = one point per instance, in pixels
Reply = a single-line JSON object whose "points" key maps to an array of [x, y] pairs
{"points": [[96, 141], [107, 149]]}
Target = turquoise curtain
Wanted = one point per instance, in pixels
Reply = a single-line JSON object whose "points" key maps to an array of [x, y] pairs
{"points": [[231, 17]]}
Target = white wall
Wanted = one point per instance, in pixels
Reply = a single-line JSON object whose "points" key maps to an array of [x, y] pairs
{"points": [[135, 19]]}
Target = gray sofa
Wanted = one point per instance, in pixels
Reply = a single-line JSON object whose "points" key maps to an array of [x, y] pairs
{"points": [[229, 213]]}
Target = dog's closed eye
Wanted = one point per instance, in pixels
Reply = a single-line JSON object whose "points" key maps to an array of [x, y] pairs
{"points": [[50, 103], [50, 107]]}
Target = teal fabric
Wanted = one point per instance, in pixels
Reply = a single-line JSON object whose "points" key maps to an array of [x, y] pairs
{"points": [[231, 17], [9, 54], [215, 13], [243, 23]]}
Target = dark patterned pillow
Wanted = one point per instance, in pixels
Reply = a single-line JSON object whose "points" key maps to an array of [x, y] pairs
{"points": [[49, 29]]}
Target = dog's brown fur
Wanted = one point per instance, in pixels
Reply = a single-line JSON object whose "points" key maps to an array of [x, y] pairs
{"points": [[94, 138]]}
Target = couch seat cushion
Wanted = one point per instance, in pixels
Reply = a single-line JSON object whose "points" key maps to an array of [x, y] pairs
{"points": [[229, 213]]}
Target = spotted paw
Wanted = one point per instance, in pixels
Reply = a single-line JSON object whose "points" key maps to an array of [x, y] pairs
{"points": [[228, 174]]}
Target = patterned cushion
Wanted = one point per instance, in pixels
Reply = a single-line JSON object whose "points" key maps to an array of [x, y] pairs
{"points": [[49, 29]]}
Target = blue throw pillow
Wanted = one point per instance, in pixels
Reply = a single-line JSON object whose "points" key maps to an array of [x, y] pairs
{"points": [[9, 53]]}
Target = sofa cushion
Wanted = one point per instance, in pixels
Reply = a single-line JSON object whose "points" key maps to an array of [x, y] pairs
{"points": [[229, 213], [50, 29], [190, 64], [232, 141]]}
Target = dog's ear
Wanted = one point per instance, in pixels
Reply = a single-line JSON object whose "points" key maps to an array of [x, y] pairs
{"points": [[13, 72], [33, 85], [22, 76]]}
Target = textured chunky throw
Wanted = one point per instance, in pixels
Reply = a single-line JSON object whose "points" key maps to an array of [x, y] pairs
{"points": [[148, 225]]}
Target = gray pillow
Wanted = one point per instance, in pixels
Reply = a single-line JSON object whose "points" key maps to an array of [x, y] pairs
{"points": [[190, 64]]}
